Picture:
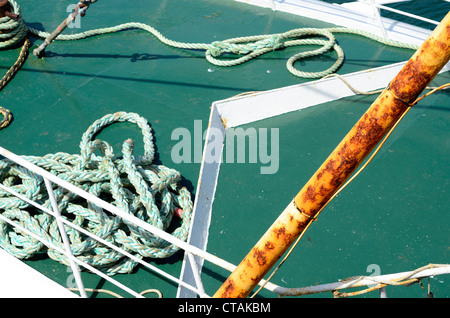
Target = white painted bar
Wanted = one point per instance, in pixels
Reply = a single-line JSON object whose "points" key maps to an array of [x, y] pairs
{"points": [[201, 215], [342, 16], [65, 239], [407, 14], [249, 108]]}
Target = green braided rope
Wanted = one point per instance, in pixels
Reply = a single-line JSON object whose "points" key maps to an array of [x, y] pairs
{"points": [[246, 48], [137, 186]]}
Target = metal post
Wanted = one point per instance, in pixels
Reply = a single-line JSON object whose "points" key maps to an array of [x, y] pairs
{"points": [[79, 9], [196, 273], [386, 110], [65, 239], [377, 14]]}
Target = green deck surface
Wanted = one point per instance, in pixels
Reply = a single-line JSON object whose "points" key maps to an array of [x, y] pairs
{"points": [[394, 215]]}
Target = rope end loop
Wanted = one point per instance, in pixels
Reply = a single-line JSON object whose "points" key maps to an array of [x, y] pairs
{"points": [[7, 117]]}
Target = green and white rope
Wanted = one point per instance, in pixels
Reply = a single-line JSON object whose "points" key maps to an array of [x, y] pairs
{"points": [[12, 31], [250, 47], [246, 48], [136, 184]]}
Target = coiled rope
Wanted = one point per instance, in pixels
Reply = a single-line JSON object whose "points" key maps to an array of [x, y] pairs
{"points": [[13, 31], [136, 185]]}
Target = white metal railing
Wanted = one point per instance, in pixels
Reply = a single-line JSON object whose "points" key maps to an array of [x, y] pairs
{"points": [[404, 13], [376, 10], [48, 177], [189, 249]]}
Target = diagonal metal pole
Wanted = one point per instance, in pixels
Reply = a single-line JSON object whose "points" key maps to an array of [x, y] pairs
{"points": [[385, 111], [65, 239], [80, 9]]}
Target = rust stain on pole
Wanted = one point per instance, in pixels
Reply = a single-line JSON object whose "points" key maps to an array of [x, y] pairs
{"points": [[337, 168]]}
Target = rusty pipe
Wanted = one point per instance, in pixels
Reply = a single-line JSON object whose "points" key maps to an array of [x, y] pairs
{"points": [[80, 8], [403, 90], [5, 10]]}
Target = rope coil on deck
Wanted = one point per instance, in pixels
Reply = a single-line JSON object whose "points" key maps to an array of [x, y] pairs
{"points": [[137, 185], [13, 31]]}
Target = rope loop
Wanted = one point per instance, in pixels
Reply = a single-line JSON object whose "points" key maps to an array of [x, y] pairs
{"points": [[137, 186], [7, 117], [253, 46], [246, 48]]}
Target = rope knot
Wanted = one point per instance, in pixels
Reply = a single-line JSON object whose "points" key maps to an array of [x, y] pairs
{"points": [[235, 46], [216, 49], [276, 42]]}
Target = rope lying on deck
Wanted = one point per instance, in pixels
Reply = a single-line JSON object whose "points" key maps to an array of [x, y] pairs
{"points": [[12, 32], [250, 47], [137, 186], [246, 48]]}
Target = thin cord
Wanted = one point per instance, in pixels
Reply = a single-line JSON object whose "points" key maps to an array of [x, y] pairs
{"points": [[106, 291]]}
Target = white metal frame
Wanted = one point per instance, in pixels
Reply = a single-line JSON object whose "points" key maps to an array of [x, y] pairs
{"points": [[361, 15], [378, 4]]}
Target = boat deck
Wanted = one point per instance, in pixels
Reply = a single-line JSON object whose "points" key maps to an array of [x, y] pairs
{"points": [[393, 215]]}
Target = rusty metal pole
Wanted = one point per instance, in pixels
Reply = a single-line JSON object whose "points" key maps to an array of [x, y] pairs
{"points": [[5, 10], [81, 7], [337, 168]]}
